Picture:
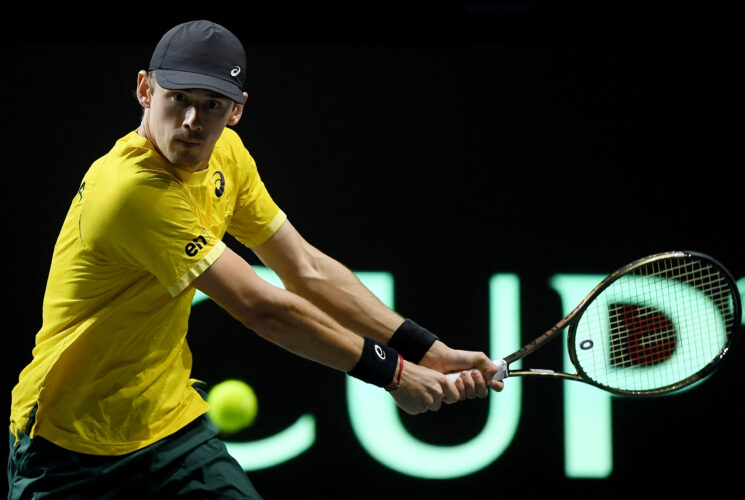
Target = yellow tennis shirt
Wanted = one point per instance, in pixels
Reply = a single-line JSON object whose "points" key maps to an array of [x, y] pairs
{"points": [[111, 366]]}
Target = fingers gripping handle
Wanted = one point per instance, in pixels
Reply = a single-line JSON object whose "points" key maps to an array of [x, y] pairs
{"points": [[502, 371]]}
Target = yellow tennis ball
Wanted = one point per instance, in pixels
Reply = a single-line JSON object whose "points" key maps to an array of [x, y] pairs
{"points": [[233, 405]]}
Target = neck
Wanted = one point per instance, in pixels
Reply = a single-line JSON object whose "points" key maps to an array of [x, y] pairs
{"points": [[144, 131]]}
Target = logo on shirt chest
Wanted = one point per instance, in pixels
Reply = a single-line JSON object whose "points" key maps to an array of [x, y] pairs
{"points": [[219, 179]]}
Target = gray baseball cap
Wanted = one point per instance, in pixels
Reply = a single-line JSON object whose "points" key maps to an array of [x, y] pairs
{"points": [[201, 55]]}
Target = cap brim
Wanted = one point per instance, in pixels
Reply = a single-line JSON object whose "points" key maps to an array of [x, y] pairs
{"points": [[182, 80]]}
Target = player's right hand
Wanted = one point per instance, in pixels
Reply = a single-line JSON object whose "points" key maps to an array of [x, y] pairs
{"points": [[422, 389], [477, 370]]}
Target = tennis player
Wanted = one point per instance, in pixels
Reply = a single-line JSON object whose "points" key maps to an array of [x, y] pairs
{"points": [[107, 407]]}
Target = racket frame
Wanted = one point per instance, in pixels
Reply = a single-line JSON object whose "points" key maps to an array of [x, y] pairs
{"points": [[572, 319]]}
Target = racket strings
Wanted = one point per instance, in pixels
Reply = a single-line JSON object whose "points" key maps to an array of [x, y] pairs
{"points": [[647, 319], [641, 336], [664, 322]]}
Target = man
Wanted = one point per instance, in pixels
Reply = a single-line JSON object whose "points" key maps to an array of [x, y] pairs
{"points": [[107, 406]]}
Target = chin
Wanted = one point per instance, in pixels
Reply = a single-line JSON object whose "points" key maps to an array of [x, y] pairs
{"points": [[186, 162]]}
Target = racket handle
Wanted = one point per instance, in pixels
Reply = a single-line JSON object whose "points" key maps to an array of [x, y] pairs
{"points": [[502, 371]]}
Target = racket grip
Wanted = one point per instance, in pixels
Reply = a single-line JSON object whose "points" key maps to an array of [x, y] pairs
{"points": [[502, 371]]}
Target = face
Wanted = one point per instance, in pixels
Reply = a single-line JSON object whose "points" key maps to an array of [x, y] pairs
{"points": [[184, 125]]}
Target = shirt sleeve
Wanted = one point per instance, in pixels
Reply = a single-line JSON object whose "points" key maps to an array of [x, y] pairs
{"points": [[256, 216], [151, 223]]}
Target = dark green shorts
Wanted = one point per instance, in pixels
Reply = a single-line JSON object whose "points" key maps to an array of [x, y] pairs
{"points": [[192, 463]]}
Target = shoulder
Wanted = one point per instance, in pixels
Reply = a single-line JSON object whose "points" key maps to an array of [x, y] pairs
{"points": [[129, 185], [130, 163], [134, 184], [230, 139], [230, 149]]}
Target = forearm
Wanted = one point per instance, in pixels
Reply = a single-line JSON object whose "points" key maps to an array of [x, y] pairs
{"points": [[340, 294], [298, 326], [323, 281], [277, 315]]}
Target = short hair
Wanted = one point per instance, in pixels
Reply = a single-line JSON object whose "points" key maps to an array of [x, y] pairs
{"points": [[153, 79]]}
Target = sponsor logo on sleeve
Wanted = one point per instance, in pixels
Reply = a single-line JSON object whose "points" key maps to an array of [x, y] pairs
{"points": [[194, 246]]}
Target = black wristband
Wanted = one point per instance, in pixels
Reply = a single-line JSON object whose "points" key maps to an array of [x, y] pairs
{"points": [[412, 341], [377, 365]]}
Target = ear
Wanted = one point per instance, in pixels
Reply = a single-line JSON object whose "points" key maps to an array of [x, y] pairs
{"points": [[235, 115], [143, 89]]}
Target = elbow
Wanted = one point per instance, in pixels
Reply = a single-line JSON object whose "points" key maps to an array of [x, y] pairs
{"points": [[260, 313], [311, 273], [251, 310]]}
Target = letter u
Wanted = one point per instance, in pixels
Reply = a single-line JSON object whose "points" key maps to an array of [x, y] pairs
{"points": [[376, 422]]}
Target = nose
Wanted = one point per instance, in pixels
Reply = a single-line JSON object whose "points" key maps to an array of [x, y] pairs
{"points": [[191, 118]]}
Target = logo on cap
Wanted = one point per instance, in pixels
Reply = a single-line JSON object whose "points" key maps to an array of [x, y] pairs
{"points": [[235, 71]]}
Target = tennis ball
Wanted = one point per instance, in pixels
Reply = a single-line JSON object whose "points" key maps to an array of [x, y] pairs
{"points": [[233, 405]]}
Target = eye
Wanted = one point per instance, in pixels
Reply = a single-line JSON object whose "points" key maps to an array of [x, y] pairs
{"points": [[178, 97], [213, 104]]}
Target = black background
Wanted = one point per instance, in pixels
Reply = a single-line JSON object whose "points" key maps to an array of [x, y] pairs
{"points": [[442, 143]]}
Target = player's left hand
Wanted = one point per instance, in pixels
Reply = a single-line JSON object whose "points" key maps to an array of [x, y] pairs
{"points": [[477, 369]]}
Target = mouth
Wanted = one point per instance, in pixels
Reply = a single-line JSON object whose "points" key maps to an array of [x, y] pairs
{"points": [[188, 143]]}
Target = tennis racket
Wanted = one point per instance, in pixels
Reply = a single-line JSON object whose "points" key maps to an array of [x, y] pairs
{"points": [[653, 327]]}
